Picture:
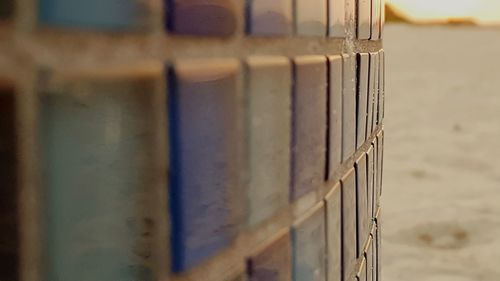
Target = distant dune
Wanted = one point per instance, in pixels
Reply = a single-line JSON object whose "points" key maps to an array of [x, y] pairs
{"points": [[392, 14]]}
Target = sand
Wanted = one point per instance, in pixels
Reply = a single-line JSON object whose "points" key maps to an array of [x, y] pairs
{"points": [[441, 196]]}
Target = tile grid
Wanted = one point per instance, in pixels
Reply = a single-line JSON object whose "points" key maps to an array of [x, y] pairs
{"points": [[48, 40]]}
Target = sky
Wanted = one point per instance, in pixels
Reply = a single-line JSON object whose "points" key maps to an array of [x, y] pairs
{"points": [[485, 11]]}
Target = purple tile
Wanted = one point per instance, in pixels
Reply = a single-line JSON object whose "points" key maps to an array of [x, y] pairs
{"points": [[268, 95], [349, 108], [337, 20], [311, 17], [206, 198], [334, 233], [363, 61], [362, 203], [364, 19], [9, 236], [309, 247], [273, 262], [335, 115], [269, 17], [202, 17], [349, 224], [309, 124]]}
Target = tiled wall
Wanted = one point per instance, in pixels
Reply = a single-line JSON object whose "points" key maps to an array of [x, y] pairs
{"points": [[200, 140]]}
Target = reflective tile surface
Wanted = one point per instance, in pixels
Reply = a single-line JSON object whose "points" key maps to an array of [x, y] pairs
{"points": [[349, 108], [202, 17], [337, 19], [269, 87], [309, 124], [96, 152], [309, 247], [349, 224], [335, 114], [364, 19], [270, 17], [273, 262], [362, 203], [94, 14], [311, 17], [334, 233], [363, 61], [206, 142]]}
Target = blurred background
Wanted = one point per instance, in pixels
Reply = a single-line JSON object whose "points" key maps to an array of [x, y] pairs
{"points": [[441, 192]]}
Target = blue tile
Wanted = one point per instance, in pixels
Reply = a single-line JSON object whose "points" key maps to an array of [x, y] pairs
{"points": [[202, 17], [9, 238], [273, 262], [335, 115], [269, 17], [364, 19], [349, 107], [363, 61], [206, 141], [95, 14], [311, 17], [334, 233], [96, 149], [337, 20], [309, 124], [309, 247], [349, 224], [269, 91]]}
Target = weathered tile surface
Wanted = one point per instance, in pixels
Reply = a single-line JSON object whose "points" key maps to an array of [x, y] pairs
{"points": [[363, 61], [349, 107], [202, 17], [349, 224], [268, 91], [309, 124], [95, 14], [337, 19], [311, 17], [335, 114], [270, 17], [362, 202], [309, 247], [364, 19], [333, 203], [206, 142], [273, 263], [96, 146]]}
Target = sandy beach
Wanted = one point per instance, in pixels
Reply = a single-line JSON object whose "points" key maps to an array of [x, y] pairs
{"points": [[441, 197]]}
